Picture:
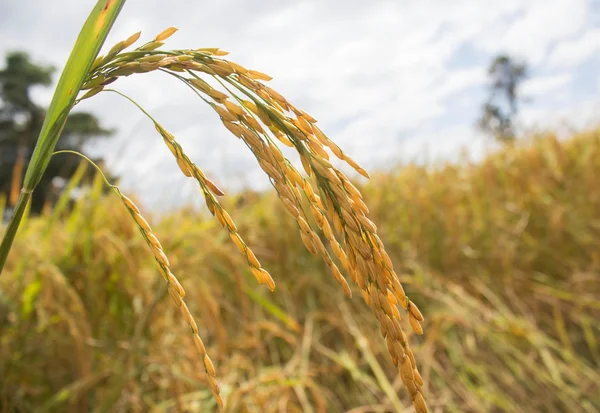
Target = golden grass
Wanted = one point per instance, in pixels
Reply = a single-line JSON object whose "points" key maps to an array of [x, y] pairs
{"points": [[504, 252]]}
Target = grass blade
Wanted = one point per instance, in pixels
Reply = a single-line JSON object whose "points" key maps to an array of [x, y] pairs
{"points": [[88, 44]]}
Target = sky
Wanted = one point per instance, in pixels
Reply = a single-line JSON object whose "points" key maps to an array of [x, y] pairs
{"points": [[389, 81]]}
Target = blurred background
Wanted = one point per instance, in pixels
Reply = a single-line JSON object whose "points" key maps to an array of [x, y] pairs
{"points": [[479, 123]]}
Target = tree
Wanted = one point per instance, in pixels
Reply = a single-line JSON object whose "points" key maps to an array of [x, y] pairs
{"points": [[20, 123], [500, 110]]}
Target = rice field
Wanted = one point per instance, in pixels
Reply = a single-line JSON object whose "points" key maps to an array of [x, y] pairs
{"points": [[501, 257]]}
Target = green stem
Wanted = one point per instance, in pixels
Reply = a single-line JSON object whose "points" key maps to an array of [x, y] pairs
{"points": [[132, 101], [88, 44], [106, 181], [13, 226]]}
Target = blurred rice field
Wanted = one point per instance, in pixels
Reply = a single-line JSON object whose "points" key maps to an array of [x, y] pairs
{"points": [[502, 256]]}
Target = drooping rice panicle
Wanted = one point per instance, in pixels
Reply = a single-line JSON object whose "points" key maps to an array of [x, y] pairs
{"points": [[209, 190], [174, 287], [260, 116], [175, 290]]}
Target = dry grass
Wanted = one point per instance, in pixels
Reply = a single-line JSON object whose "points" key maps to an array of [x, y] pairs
{"points": [[503, 252]]}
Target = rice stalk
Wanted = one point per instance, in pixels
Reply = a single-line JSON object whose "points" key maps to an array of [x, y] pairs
{"points": [[259, 116]]}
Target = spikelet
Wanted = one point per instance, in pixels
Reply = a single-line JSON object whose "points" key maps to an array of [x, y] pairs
{"points": [[165, 34], [213, 187], [151, 46], [258, 75], [175, 289], [92, 92], [234, 109]]}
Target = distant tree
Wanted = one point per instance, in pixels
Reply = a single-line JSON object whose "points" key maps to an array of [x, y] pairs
{"points": [[20, 124], [500, 110]]}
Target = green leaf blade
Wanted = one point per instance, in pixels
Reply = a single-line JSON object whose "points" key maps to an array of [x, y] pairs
{"points": [[88, 44]]}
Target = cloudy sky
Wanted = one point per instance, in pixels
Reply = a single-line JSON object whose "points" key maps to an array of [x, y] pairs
{"points": [[388, 80]]}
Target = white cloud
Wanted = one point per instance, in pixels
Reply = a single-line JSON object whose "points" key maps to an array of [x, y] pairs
{"points": [[578, 115], [573, 52], [375, 73], [446, 144], [539, 86], [537, 25]]}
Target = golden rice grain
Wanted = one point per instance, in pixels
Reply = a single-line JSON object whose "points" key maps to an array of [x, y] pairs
{"points": [[306, 165], [285, 140], [237, 240], [208, 50], [341, 280], [248, 82], [258, 75], [418, 377], [221, 70], [224, 114], [252, 258], [250, 121], [366, 223], [308, 243], [410, 355], [161, 257], [142, 222], [199, 345], [264, 117], [151, 46], [414, 310], [217, 95], [213, 188], [252, 139], [259, 275], [251, 106], [414, 323], [303, 125], [270, 283], [225, 219], [201, 85], [214, 387], [419, 403], [406, 369], [272, 171], [234, 109], [356, 167], [237, 67], [290, 207], [219, 400], [170, 145], [183, 166], [399, 291], [92, 92], [175, 296], [234, 128], [153, 240], [187, 316], [208, 365], [318, 149], [129, 203], [175, 283], [165, 34], [97, 81]]}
